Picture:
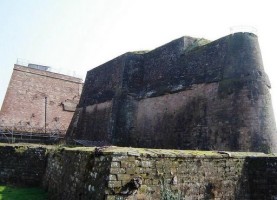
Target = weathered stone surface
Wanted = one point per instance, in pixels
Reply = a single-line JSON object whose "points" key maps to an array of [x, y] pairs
{"points": [[187, 174], [79, 173], [181, 96], [22, 165]]}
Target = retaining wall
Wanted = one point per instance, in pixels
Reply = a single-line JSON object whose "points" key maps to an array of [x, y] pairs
{"points": [[22, 165], [107, 173], [166, 174]]}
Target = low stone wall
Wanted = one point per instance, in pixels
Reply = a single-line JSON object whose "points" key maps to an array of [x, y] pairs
{"points": [[22, 165], [88, 173], [113, 173]]}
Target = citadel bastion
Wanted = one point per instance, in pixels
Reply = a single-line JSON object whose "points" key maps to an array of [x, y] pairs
{"points": [[187, 94]]}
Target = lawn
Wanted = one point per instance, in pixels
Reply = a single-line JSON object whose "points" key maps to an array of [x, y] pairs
{"points": [[18, 193]]}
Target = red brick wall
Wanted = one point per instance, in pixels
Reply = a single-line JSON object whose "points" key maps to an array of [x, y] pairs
{"points": [[24, 103]]}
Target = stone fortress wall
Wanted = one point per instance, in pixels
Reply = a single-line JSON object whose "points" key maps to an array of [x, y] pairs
{"points": [[187, 94], [107, 173]]}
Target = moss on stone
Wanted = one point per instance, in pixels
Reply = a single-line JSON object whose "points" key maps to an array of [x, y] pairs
{"points": [[229, 86], [140, 52], [198, 43], [21, 149], [129, 151]]}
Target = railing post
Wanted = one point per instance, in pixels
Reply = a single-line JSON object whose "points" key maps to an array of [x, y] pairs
{"points": [[45, 112]]}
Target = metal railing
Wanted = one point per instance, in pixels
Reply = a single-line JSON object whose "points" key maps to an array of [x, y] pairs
{"points": [[242, 28], [63, 71], [12, 134]]}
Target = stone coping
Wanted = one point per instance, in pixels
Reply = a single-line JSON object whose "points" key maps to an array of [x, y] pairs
{"points": [[146, 152]]}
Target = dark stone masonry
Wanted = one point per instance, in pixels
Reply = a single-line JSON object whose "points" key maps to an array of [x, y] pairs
{"points": [[22, 165], [187, 94], [109, 173]]}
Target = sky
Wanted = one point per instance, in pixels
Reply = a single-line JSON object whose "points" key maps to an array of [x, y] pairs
{"points": [[74, 36]]}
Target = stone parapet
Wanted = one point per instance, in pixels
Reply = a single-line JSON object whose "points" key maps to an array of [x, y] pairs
{"points": [[109, 173], [117, 173]]}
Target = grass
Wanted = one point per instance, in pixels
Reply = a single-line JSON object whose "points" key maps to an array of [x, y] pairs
{"points": [[18, 193]]}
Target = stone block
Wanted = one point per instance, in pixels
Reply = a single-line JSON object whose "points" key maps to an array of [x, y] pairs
{"points": [[115, 164], [114, 170], [123, 177], [131, 171], [127, 164], [139, 170], [114, 184], [147, 163], [114, 197], [112, 177], [120, 158]]}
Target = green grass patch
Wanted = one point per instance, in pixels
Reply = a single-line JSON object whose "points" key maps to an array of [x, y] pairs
{"points": [[19, 193]]}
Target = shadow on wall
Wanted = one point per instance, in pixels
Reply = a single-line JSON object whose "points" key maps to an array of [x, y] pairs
{"points": [[86, 169], [258, 179]]}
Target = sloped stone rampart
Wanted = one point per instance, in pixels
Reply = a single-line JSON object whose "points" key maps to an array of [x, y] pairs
{"points": [[180, 96]]}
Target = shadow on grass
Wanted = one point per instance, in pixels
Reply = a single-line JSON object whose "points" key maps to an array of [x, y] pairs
{"points": [[19, 193]]}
